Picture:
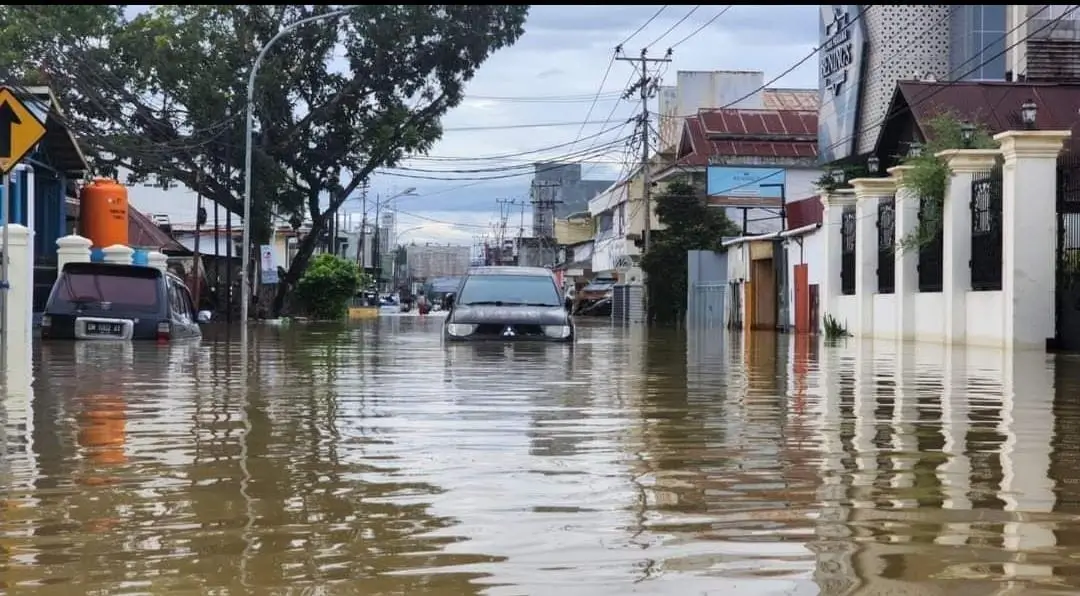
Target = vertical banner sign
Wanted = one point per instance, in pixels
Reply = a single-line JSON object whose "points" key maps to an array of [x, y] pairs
{"points": [[267, 266], [843, 45]]}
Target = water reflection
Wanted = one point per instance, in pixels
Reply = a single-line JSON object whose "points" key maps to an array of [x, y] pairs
{"points": [[373, 459]]}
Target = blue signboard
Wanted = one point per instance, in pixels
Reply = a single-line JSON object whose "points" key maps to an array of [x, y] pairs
{"points": [[735, 186]]}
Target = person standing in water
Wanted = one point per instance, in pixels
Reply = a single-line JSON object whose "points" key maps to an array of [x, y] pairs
{"points": [[422, 305]]}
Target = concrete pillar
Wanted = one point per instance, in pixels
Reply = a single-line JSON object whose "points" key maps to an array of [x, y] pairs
{"points": [[868, 193], [118, 254], [72, 249], [832, 221], [956, 235], [1029, 235], [18, 323], [157, 259], [907, 260]]}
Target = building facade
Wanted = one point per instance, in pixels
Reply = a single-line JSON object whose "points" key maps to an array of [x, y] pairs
{"points": [[428, 261], [867, 49]]}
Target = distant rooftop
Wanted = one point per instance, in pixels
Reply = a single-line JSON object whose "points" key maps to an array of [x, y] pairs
{"points": [[791, 99]]}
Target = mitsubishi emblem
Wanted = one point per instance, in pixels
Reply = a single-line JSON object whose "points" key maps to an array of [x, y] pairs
{"points": [[508, 331], [106, 306]]}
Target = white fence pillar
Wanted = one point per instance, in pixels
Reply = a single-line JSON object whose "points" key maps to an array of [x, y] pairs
{"points": [[1029, 234], [956, 235], [72, 249], [157, 259], [18, 322], [907, 258], [118, 254], [869, 192], [832, 221]]}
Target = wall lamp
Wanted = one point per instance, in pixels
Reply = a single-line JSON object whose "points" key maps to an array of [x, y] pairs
{"points": [[1028, 111], [873, 165], [914, 149], [967, 134]]}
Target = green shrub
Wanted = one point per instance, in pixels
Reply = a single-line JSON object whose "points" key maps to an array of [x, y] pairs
{"points": [[327, 286], [834, 329]]}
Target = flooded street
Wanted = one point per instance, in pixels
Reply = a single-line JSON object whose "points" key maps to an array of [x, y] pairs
{"points": [[369, 459]]}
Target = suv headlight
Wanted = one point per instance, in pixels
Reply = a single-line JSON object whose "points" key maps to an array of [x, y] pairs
{"points": [[557, 331], [459, 330]]}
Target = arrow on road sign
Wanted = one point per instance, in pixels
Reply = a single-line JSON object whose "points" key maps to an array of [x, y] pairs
{"points": [[20, 130]]}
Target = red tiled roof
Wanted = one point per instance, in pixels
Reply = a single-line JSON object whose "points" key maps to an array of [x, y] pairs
{"points": [[746, 133]]}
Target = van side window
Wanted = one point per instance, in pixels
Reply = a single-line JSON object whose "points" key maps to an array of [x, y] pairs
{"points": [[186, 302], [176, 303]]}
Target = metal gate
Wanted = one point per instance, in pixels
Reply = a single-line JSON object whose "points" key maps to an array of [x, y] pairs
{"points": [[1067, 291], [628, 303], [706, 308], [706, 288]]}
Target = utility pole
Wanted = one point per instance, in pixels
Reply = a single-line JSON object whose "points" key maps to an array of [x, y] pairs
{"points": [[645, 86], [544, 199]]}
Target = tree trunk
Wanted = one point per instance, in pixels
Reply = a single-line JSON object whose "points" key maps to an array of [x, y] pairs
{"points": [[296, 268]]}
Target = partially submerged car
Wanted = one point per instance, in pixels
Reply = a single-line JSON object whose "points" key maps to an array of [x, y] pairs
{"points": [[508, 304], [103, 301]]}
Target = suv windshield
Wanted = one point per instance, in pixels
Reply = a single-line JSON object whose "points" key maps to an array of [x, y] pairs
{"points": [[509, 290], [123, 292]]}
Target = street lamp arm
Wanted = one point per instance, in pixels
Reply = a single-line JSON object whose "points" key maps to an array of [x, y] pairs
{"points": [[245, 281]]}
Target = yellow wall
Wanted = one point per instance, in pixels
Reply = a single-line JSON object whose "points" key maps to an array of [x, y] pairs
{"points": [[573, 231], [635, 209]]}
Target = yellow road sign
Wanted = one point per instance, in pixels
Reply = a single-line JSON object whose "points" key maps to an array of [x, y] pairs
{"points": [[20, 130]]}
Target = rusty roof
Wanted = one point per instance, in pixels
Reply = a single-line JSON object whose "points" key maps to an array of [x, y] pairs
{"points": [[144, 233], [760, 124], [792, 99], [995, 105], [804, 212], [746, 133]]}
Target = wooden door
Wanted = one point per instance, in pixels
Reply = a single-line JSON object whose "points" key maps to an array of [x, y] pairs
{"points": [[802, 299]]}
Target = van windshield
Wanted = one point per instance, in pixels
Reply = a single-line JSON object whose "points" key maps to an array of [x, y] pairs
{"points": [[509, 290], [123, 292]]}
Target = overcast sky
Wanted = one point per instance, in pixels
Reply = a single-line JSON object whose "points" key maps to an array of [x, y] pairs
{"points": [[551, 76]]}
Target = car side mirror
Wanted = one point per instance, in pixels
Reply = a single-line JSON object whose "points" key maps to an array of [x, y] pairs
{"points": [[568, 303], [448, 301], [204, 316]]}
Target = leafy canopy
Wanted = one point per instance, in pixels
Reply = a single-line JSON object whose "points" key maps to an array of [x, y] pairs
{"points": [[160, 91], [689, 224]]}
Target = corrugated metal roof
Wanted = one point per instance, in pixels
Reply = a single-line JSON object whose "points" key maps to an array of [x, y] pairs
{"points": [[697, 146], [792, 99], [994, 105], [143, 233]]}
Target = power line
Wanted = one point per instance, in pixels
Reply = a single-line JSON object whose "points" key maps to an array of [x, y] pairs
{"points": [[672, 28], [642, 27], [701, 28]]}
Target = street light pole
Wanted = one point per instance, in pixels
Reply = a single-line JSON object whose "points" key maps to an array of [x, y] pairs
{"points": [[245, 278]]}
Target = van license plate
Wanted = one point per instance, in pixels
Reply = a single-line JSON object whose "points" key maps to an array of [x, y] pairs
{"points": [[104, 329]]}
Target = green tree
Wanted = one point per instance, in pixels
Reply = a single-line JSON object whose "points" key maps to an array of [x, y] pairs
{"points": [[159, 90], [327, 286], [689, 224]]}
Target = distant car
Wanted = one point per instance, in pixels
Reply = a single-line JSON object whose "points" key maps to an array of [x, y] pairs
{"points": [[100, 301], [508, 304]]}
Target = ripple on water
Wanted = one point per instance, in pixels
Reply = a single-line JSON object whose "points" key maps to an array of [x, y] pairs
{"points": [[371, 459]]}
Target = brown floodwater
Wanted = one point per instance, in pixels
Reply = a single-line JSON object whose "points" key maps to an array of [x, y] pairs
{"points": [[369, 459]]}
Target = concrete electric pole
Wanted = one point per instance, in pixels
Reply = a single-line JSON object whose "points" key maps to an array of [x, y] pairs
{"points": [[645, 87]]}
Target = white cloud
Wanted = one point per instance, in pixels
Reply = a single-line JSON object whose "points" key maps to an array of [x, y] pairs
{"points": [[552, 75]]}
